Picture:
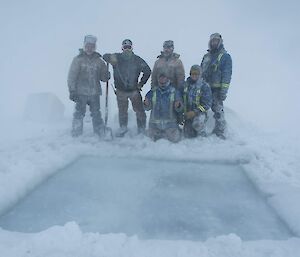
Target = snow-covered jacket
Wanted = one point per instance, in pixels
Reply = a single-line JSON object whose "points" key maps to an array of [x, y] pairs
{"points": [[127, 70], [85, 74], [171, 66], [196, 96], [217, 68], [163, 112]]}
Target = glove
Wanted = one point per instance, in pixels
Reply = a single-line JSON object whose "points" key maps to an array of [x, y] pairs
{"points": [[177, 104], [140, 85], [73, 96], [106, 57], [223, 94], [189, 115], [146, 102], [223, 97]]}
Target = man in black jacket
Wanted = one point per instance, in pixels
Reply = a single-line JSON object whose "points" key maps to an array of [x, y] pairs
{"points": [[127, 68]]}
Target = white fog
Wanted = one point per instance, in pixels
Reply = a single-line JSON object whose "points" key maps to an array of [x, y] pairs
{"points": [[64, 196]]}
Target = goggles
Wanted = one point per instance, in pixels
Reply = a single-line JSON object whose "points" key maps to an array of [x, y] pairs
{"points": [[127, 47]]}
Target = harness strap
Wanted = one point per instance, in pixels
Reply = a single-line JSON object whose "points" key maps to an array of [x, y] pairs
{"points": [[154, 101]]}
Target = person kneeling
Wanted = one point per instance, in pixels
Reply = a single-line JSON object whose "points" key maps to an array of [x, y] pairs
{"points": [[165, 103], [197, 100]]}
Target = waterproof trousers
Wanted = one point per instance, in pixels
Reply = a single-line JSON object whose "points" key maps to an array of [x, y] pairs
{"points": [[135, 97], [80, 109]]}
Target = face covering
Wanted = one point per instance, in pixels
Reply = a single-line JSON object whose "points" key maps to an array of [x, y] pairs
{"points": [[127, 54], [214, 44]]}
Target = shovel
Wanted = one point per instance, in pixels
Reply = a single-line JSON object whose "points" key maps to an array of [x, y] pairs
{"points": [[108, 135]]}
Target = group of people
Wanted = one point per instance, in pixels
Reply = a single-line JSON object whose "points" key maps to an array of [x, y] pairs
{"points": [[173, 101]]}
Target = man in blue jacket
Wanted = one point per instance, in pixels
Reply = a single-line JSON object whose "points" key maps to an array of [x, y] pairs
{"points": [[165, 102], [197, 100], [217, 69]]}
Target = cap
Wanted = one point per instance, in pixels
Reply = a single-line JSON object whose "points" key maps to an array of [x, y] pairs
{"points": [[215, 35], [168, 43], [90, 39], [195, 69], [127, 42]]}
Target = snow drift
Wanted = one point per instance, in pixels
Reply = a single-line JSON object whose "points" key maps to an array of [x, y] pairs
{"points": [[43, 107]]}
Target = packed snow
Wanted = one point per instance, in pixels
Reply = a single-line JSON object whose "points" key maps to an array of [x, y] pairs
{"points": [[270, 162]]}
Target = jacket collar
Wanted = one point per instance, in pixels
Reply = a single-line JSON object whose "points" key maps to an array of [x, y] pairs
{"points": [[94, 54], [217, 51], [173, 55], [166, 88]]}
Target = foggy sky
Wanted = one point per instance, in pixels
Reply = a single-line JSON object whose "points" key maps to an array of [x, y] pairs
{"points": [[40, 38]]}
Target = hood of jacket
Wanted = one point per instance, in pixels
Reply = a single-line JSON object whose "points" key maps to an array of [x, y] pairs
{"points": [[194, 83], [221, 48]]}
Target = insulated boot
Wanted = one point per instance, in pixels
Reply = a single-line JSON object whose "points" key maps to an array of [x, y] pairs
{"points": [[121, 131], [100, 131], [141, 130], [219, 134], [77, 127]]}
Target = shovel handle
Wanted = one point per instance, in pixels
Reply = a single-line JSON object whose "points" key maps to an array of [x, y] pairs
{"points": [[106, 98]]}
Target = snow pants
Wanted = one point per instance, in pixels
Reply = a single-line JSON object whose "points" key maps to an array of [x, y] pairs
{"points": [[217, 108], [137, 105], [80, 109], [195, 126], [172, 134]]}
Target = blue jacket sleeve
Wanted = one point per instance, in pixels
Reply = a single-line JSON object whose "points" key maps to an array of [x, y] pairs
{"points": [[226, 69], [206, 97], [178, 97]]}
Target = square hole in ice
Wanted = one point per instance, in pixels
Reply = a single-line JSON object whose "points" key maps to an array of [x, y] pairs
{"points": [[151, 199]]}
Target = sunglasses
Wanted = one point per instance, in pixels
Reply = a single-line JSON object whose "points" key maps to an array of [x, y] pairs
{"points": [[195, 74], [127, 47]]}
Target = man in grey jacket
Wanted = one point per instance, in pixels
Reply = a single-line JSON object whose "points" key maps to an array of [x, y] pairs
{"points": [[86, 72]]}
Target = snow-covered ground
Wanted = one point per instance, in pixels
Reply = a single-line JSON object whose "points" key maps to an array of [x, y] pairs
{"points": [[271, 161], [39, 40]]}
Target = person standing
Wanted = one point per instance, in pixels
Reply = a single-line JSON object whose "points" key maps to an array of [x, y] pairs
{"points": [[169, 63], [217, 70], [127, 68], [165, 102], [197, 100], [86, 72]]}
